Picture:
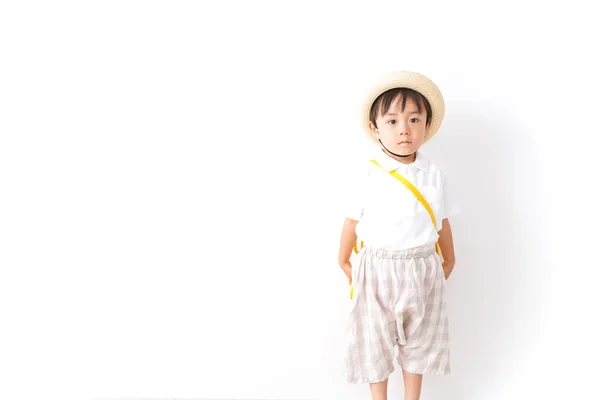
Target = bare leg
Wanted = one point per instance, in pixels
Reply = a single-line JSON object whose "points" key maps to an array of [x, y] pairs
{"points": [[412, 385], [379, 390]]}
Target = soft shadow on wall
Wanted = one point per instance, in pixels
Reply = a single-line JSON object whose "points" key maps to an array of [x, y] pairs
{"points": [[493, 292]]}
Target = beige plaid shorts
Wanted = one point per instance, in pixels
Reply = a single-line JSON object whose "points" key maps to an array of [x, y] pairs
{"points": [[399, 301]]}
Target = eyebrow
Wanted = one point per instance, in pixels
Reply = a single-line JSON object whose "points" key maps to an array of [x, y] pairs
{"points": [[409, 113]]}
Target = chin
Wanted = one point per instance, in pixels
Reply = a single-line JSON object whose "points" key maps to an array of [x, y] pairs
{"points": [[404, 151]]}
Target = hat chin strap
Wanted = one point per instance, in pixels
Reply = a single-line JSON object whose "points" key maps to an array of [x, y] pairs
{"points": [[397, 155]]}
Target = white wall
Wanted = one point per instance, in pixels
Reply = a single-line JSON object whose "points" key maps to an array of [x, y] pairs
{"points": [[172, 175]]}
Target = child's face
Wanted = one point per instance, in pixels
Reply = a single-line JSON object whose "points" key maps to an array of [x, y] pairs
{"points": [[401, 132]]}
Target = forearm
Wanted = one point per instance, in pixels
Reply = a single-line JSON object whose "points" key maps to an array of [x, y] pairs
{"points": [[446, 243], [347, 240]]}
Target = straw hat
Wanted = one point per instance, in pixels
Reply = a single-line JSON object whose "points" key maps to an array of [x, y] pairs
{"points": [[411, 80]]}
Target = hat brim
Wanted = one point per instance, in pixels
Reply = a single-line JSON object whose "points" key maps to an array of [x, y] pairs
{"points": [[411, 80]]}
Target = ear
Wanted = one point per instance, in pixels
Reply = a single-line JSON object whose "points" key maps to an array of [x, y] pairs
{"points": [[374, 130]]}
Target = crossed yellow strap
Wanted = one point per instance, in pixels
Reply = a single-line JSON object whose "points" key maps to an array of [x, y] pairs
{"points": [[419, 196]]}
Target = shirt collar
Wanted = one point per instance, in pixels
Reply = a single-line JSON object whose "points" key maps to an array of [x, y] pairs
{"points": [[390, 164]]}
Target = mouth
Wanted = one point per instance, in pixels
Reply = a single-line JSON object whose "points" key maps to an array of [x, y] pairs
{"points": [[404, 142]]}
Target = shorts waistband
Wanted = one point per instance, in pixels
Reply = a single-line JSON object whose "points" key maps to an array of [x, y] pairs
{"points": [[416, 252]]}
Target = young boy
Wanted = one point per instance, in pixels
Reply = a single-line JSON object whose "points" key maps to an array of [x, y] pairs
{"points": [[399, 277]]}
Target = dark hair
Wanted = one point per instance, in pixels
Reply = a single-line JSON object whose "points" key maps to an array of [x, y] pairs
{"points": [[382, 103]]}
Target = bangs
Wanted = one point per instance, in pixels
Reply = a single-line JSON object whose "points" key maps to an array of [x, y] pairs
{"points": [[383, 102]]}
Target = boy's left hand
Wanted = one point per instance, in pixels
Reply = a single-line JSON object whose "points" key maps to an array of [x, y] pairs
{"points": [[448, 266]]}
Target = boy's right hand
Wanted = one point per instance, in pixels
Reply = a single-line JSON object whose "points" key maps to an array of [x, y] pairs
{"points": [[347, 268]]}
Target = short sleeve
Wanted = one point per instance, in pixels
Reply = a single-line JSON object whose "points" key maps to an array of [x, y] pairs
{"points": [[451, 204], [354, 193]]}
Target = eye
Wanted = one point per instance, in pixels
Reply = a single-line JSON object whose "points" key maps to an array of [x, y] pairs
{"points": [[414, 120], [392, 121]]}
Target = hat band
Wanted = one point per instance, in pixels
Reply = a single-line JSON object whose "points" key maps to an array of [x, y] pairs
{"points": [[397, 155]]}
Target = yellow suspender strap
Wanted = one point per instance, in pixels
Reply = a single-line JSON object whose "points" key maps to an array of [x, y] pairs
{"points": [[417, 194], [362, 244]]}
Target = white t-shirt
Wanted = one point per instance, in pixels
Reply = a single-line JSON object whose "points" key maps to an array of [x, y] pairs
{"points": [[389, 215]]}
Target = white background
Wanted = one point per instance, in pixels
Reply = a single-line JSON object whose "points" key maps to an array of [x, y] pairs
{"points": [[173, 174]]}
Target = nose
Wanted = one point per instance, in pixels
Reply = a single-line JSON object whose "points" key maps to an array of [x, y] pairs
{"points": [[402, 128]]}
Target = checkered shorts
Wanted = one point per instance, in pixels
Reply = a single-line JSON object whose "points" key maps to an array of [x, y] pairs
{"points": [[399, 301]]}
